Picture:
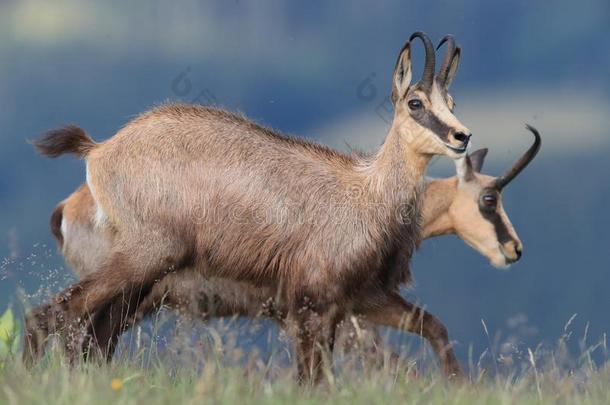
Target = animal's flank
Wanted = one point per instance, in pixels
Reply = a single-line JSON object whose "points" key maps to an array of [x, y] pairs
{"points": [[69, 139]]}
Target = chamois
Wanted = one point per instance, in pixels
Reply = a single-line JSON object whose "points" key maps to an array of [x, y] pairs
{"points": [[450, 206], [189, 186]]}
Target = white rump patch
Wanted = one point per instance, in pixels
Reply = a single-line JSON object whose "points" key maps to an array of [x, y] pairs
{"points": [[64, 229], [100, 217]]}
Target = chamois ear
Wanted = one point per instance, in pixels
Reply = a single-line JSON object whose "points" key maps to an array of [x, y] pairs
{"points": [[477, 158], [402, 73], [455, 63]]}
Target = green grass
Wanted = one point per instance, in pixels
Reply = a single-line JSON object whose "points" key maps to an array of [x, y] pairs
{"points": [[216, 370], [136, 380], [57, 383]]}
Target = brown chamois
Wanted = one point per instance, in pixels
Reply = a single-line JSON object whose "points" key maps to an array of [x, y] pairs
{"points": [[188, 186], [456, 205]]}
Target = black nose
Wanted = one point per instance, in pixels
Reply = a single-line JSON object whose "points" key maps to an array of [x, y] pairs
{"points": [[518, 251], [462, 137]]}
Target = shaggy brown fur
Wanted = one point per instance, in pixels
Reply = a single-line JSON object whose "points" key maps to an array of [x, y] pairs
{"points": [[445, 202], [192, 186]]}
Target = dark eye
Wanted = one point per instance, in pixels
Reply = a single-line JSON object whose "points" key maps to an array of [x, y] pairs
{"points": [[490, 200], [415, 104]]}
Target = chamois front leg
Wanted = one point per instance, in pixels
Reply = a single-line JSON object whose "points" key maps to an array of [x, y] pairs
{"points": [[313, 330], [400, 314], [357, 335]]}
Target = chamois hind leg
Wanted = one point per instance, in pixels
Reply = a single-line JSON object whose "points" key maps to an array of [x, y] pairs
{"points": [[314, 334], [187, 299], [108, 324], [133, 263], [400, 314]]}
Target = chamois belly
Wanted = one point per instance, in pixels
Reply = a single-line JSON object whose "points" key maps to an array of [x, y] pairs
{"points": [[307, 260]]}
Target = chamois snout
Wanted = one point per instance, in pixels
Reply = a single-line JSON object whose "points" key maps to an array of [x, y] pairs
{"points": [[460, 139], [512, 251]]}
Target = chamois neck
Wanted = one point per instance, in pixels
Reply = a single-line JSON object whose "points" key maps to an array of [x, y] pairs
{"points": [[438, 196], [398, 166]]}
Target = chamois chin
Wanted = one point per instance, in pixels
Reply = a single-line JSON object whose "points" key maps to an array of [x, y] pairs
{"points": [[450, 206], [187, 186]]}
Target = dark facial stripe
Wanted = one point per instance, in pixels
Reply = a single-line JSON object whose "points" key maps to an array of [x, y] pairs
{"points": [[499, 226], [428, 120]]}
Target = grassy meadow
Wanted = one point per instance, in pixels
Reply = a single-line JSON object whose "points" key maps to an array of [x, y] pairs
{"points": [[212, 368], [129, 383]]}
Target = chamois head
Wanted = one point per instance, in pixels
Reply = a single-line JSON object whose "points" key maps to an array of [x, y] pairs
{"points": [[424, 110], [476, 212]]}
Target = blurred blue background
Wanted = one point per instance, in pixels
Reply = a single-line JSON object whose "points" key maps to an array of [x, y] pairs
{"points": [[298, 67]]}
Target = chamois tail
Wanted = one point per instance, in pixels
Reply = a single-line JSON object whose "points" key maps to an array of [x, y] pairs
{"points": [[69, 139]]}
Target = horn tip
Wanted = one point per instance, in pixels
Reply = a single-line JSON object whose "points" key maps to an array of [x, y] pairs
{"points": [[419, 34], [445, 39], [531, 128], [529, 155], [534, 131]]}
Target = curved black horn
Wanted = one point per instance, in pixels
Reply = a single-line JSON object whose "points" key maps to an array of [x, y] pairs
{"points": [[441, 78], [428, 75], [527, 157]]}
